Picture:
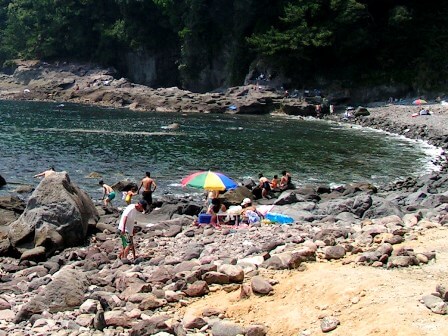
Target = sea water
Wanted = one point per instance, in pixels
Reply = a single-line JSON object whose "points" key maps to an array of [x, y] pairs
{"points": [[92, 143]]}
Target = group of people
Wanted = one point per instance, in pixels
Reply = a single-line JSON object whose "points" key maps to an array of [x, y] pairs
{"points": [[276, 184], [126, 227], [128, 218], [247, 212], [148, 185]]}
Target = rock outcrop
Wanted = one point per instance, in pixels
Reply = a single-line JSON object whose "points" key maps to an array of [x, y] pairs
{"points": [[57, 215], [2, 181]]}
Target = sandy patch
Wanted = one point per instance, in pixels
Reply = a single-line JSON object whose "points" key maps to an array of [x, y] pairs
{"points": [[366, 300]]}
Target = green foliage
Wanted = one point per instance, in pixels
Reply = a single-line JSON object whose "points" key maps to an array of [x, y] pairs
{"points": [[356, 40]]}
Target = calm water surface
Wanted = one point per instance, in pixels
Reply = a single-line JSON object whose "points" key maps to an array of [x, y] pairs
{"points": [[120, 144]]}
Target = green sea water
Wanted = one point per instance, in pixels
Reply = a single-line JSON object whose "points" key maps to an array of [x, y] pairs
{"points": [[122, 144]]}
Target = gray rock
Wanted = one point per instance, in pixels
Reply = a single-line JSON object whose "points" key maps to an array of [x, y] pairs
{"points": [[234, 272], [385, 248], [287, 197], [260, 285], [4, 243], [226, 328], [193, 251], [442, 290], [334, 252], [161, 274], [329, 323], [66, 291], [216, 278], [402, 261], [256, 330], [198, 288], [151, 326], [57, 215], [436, 304], [4, 304]]}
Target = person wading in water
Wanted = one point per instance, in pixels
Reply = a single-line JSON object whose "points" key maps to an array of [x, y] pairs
{"points": [[149, 186]]}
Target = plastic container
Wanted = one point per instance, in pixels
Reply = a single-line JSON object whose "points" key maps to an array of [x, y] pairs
{"points": [[204, 218], [279, 218]]}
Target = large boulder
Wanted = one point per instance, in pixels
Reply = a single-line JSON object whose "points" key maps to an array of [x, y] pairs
{"points": [[56, 216], [236, 196], [10, 209], [65, 292]]}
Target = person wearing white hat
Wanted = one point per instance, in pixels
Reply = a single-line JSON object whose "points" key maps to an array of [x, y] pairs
{"points": [[246, 201], [249, 213]]}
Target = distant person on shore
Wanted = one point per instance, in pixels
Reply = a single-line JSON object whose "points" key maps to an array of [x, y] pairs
{"points": [[46, 173], [149, 186], [108, 193], [127, 228], [285, 181], [331, 109], [318, 108]]}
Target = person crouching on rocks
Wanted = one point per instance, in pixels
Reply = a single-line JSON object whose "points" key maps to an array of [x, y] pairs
{"points": [[265, 185], [126, 227]]}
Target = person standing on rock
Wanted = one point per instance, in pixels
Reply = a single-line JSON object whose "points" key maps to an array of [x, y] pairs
{"points": [[149, 186], [46, 173], [126, 227], [108, 193]]}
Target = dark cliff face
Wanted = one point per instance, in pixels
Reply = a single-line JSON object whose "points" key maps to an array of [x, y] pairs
{"points": [[151, 69], [158, 70]]}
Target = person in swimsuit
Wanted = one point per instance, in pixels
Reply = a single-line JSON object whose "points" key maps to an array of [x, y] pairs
{"points": [[149, 186], [264, 185], [215, 207], [108, 193], [46, 173], [275, 182], [285, 181], [129, 194]]}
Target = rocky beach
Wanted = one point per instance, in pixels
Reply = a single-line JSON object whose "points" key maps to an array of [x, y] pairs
{"points": [[356, 260]]}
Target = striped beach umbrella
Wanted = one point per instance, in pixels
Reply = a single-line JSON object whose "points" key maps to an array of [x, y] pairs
{"points": [[209, 180]]}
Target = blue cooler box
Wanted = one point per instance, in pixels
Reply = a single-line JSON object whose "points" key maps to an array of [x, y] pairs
{"points": [[205, 218]]}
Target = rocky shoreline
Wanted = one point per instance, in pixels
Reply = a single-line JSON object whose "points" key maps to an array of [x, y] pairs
{"points": [[49, 288]]}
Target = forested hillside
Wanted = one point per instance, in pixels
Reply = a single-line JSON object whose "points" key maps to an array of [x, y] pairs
{"points": [[205, 44]]}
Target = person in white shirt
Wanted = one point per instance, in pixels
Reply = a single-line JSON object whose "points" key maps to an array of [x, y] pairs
{"points": [[126, 227]]}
